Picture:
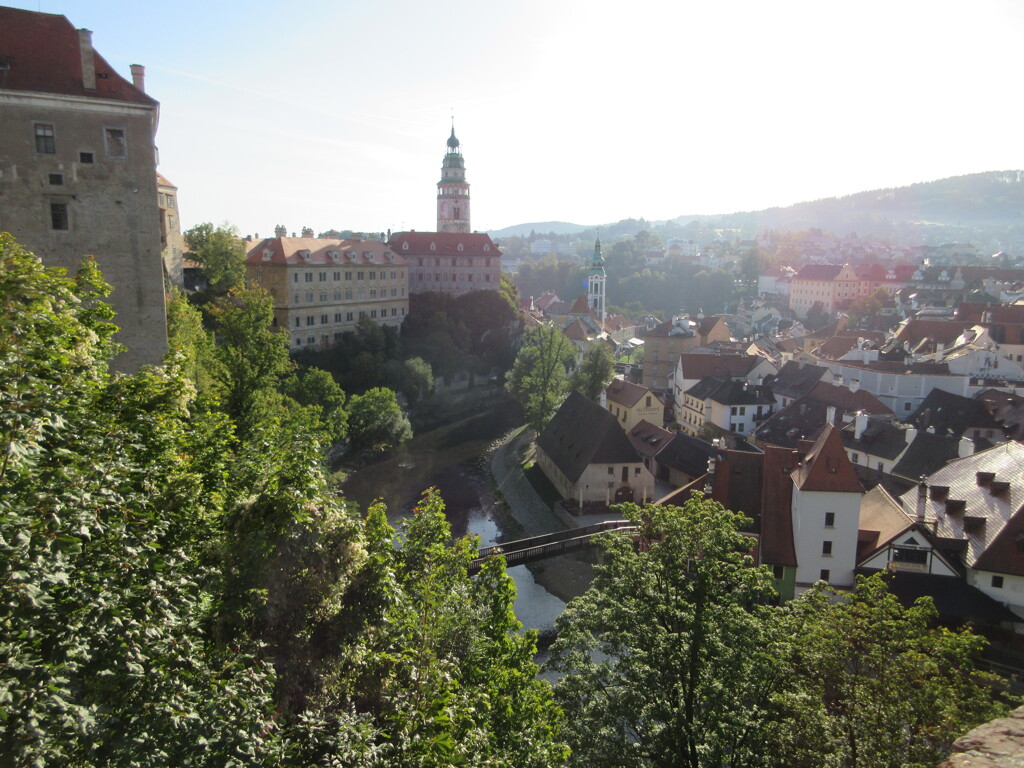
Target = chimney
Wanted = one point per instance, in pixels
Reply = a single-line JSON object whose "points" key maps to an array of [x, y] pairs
{"points": [[965, 447], [139, 77], [830, 414], [922, 499], [604, 399], [860, 423], [854, 384], [88, 59], [911, 434]]}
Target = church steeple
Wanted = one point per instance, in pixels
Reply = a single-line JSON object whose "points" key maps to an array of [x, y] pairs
{"points": [[596, 282], [453, 190]]}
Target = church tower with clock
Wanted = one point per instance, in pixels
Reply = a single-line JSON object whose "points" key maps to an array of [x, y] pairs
{"points": [[453, 191]]}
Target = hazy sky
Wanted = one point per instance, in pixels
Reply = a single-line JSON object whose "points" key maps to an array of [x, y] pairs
{"points": [[333, 113]]}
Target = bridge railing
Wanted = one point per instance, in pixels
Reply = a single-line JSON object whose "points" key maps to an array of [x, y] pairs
{"points": [[550, 538], [551, 545]]}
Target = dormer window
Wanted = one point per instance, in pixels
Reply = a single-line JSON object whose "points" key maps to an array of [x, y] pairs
{"points": [[267, 254], [334, 256], [306, 254], [433, 246], [405, 245], [487, 247], [460, 246], [368, 255]]}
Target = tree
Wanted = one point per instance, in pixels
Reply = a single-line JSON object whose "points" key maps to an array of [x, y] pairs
{"points": [[594, 371], [667, 658], [222, 254], [376, 421], [874, 684], [817, 317], [750, 271], [316, 388], [110, 492], [866, 308], [538, 376]]}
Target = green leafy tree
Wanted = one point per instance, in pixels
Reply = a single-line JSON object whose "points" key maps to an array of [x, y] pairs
{"points": [[221, 252], [538, 376], [191, 345], [376, 421], [440, 669], [817, 317], [314, 387], [873, 684], [108, 504], [252, 357], [750, 271], [667, 658], [594, 371]]}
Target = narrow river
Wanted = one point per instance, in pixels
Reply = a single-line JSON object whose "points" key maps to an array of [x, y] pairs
{"points": [[455, 459]]}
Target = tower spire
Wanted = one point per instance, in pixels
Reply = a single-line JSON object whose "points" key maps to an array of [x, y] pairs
{"points": [[453, 189], [596, 283]]}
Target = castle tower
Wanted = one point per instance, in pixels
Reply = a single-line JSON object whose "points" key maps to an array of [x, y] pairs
{"points": [[596, 281], [453, 191]]}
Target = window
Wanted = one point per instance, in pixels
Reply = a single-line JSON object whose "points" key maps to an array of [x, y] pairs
{"points": [[298, 323], [611, 470], [732, 412], [323, 296], [830, 519], [170, 201], [85, 158], [55, 179], [323, 319], [59, 217], [854, 457], [625, 474], [910, 554], [295, 277], [45, 140], [309, 319], [373, 313], [336, 276], [373, 275], [636, 471], [881, 466], [348, 275], [308, 277], [322, 277], [394, 311], [826, 547], [348, 317], [824, 575], [359, 275], [997, 582], [906, 406], [648, 401], [778, 571], [114, 142]]}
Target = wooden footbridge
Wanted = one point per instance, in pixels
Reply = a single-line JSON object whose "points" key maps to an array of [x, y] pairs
{"points": [[549, 545]]}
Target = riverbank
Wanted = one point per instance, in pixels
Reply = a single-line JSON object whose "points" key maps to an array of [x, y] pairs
{"points": [[565, 577]]}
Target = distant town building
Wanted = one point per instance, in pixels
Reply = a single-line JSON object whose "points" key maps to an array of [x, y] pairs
{"points": [[449, 262], [78, 169], [321, 288]]}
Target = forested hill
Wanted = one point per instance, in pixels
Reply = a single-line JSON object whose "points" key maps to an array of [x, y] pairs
{"points": [[991, 200], [981, 208]]}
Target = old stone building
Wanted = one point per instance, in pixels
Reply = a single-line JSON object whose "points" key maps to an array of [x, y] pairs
{"points": [[78, 168], [321, 288], [453, 191], [171, 238]]}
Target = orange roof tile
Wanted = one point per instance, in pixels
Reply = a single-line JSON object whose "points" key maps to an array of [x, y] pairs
{"points": [[826, 466]]}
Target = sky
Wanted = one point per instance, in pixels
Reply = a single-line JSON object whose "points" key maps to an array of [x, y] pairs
{"points": [[335, 113]]}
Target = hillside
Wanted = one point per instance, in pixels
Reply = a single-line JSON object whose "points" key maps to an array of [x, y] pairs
{"points": [[981, 208]]}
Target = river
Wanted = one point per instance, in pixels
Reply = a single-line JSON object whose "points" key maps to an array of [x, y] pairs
{"points": [[455, 458]]}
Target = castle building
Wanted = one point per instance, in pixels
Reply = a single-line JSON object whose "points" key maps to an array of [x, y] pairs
{"points": [[78, 169], [170, 231], [453, 191], [454, 259], [322, 287]]}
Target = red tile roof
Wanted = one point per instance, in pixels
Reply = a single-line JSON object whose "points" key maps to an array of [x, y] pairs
{"points": [[580, 306], [445, 244], [697, 365], [626, 393], [776, 506], [826, 466], [43, 55], [289, 250], [943, 331], [819, 272], [842, 397]]}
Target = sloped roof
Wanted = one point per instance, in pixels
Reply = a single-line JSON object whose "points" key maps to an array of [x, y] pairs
{"points": [[826, 466], [954, 598], [582, 433], [819, 272], [626, 393], [291, 250], [796, 379], [698, 365], [1006, 553], [777, 546], [687, 454], [842, 397], [945, 332], [737, 482], [648, 439], [707, 324], [576, 331], [989, 511], [580, 306], [880, 438], [951, 414], [43, 55], [445, 244], [973, 313], [881, 520]]}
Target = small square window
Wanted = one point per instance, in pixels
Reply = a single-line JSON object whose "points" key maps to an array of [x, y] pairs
{"points": [[997, 582], [826, 547], [824, 575], [611, 470], [86, 158], [778, 571], [59, 217], [906, 406]]}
